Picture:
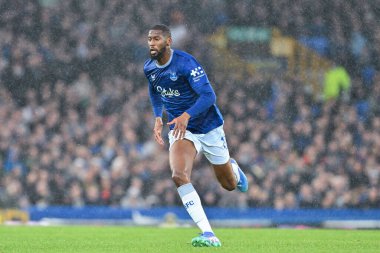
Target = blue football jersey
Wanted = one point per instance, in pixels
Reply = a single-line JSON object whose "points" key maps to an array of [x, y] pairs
{"points": [[176, 86]]}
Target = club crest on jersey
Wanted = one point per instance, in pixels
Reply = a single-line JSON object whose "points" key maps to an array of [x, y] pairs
{"points": [[173, 76]]}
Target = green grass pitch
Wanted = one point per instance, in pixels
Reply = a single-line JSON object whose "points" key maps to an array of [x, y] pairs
{"points": [[177, 240]]}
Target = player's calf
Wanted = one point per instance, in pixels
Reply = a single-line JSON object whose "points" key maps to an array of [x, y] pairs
{"points": [[242, 181], [225, 176], [228, 184]]}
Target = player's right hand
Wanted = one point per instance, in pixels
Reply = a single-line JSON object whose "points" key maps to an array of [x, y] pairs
{"points": [[158, 130]]}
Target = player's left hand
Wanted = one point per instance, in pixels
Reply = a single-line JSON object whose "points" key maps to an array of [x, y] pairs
{"points": [[180, 126]]}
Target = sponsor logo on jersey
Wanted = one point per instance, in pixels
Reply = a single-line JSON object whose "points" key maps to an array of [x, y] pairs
{"points": [[173, 76], [167, 93], [152, 77], [197, 73]]}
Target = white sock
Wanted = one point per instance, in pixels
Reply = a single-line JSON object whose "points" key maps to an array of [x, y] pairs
{"points": [[235, 169], [193, 206]]}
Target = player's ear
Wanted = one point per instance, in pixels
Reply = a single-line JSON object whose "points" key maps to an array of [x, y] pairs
{"points": [[169, 41]]}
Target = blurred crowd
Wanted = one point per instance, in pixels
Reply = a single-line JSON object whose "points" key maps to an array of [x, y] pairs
{"points": [[76, 121]]}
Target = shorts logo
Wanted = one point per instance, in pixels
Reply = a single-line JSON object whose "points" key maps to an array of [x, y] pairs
{"points": [[224, 142], [173, 76], [197, 73]]}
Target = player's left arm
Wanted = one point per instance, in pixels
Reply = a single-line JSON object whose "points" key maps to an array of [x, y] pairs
{"points": [[199, 82]]}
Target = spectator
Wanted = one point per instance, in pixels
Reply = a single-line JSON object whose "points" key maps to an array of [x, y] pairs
{"points": [[337, 81]]}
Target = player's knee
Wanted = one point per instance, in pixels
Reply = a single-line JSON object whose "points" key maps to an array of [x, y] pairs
{"points": [[180, 178]]}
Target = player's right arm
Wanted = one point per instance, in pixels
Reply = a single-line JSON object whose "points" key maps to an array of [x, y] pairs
{"points": [[156, 102]]}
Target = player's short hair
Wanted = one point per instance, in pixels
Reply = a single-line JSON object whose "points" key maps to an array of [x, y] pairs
{"points": [[164, 28]]}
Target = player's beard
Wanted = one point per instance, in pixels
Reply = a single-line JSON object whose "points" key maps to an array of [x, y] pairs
{"points": [[159, 55]]}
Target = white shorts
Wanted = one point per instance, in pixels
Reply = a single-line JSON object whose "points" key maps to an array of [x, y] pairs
{"points": [[213, 144]]}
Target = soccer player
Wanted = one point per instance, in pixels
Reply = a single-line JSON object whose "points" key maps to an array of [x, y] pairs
{"points": [[178, 84]]}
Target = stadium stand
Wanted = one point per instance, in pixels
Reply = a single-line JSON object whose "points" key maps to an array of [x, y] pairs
{"points": [[76, 121]]}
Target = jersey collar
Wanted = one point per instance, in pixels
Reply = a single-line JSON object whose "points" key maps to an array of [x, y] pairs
{"points": [[166, 64]]}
